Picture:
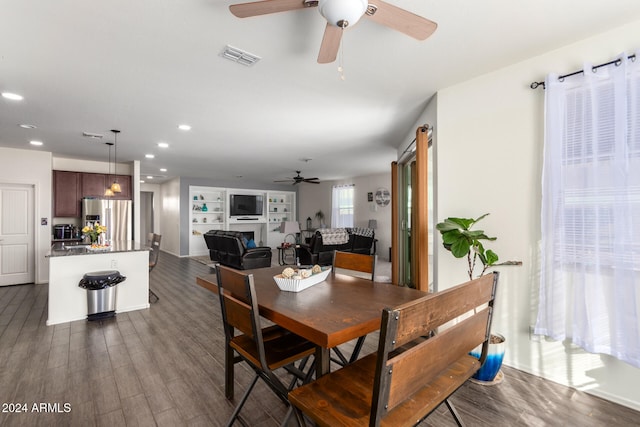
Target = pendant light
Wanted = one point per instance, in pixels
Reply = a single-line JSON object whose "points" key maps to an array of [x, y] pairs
{"points": [[108, 192], [115, 187]]}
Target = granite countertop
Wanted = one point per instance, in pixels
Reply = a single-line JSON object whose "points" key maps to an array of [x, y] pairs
{"points": [[73, 239], [66, 249]]}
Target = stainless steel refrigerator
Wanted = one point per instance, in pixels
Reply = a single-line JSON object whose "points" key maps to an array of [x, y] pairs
{"points": [[115, 214]]}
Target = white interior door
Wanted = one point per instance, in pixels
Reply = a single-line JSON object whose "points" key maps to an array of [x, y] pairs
{"points": [[17, 256]]}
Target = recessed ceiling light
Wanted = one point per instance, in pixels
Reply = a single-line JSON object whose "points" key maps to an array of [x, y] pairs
{"points": [[149, 156], [142, 181], [149, 177], [184, 127], [26, 126], [163, 145], [38, 143], [12, 96], [163, 169]]}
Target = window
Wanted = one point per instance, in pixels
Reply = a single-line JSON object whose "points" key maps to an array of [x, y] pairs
{"points": [[342, 206], [590, 247], [594, 147]]}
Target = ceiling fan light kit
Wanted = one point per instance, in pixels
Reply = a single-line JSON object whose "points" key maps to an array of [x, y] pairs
{"points": [[298, 179], [342, 13]]}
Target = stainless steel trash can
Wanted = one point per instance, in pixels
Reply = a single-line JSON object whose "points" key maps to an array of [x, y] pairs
{"points": [[101, 293]]}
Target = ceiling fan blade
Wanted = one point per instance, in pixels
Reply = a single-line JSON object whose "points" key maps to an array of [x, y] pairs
{"points": [[312, 182], [330, 44], [310, 179], [265, 7], [401, 20]]}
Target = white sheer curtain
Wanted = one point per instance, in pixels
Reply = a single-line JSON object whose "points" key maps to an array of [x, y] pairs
{"points": [[342, 206], [590, 269]]}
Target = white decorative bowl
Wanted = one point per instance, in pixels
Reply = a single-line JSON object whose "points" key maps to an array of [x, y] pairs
{"points": [[297, 285]]}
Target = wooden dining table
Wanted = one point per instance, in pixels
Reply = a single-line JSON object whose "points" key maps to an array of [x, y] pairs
{"points": [[330, 313]]}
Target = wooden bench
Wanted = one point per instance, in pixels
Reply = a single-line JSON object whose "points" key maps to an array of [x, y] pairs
{"points": [[420, 362]]}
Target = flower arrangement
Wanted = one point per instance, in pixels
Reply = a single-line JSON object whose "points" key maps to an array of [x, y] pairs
{"points": [[94, 231]]}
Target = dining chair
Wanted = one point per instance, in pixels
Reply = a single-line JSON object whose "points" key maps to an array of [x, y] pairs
{"points": [[153, 241], [263, 349], [355, 263], [422, 359]]}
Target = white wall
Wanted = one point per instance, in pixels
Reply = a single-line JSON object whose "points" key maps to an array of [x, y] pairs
{"points": [[33, 167], [156, 190], [489, 156], [169, 214], [365, 210], [312, 198]]}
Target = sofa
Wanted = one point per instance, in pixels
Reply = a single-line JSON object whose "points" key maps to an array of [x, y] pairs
{"points": [[320, 248], [230, 249]]}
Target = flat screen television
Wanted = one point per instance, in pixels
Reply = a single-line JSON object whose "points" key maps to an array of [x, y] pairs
{"points": [[245, 204]]}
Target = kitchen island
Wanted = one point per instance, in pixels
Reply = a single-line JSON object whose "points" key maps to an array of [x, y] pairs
{"points": [[69, 263]]}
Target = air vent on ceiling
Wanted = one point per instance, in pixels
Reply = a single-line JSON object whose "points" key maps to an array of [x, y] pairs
{"points": [[92, 135], [238, 55]]}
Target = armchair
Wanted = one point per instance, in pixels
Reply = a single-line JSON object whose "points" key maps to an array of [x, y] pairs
{"points": [[228, 248]]}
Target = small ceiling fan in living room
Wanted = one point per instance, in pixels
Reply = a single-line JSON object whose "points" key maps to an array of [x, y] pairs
{"points": [[298, 179], [341, 14]]}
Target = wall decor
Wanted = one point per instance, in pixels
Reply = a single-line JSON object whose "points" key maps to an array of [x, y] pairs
{"points": [[383, 197], [370, 196]]}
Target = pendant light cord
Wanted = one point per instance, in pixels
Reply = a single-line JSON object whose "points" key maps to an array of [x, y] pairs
{"points": [[341, 66], [115, 157], [109, 162]]}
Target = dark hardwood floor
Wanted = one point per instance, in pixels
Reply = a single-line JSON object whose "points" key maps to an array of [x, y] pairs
{"points": [[164, 366]]}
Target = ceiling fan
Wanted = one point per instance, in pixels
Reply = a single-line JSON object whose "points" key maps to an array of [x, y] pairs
{"points": [[298, 179], [341, 14]]}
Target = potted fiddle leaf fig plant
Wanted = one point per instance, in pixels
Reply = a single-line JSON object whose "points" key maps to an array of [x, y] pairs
{"points": [[461, 240]]}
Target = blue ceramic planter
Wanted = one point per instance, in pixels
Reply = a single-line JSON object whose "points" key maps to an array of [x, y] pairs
{"points": [[492, 363]]}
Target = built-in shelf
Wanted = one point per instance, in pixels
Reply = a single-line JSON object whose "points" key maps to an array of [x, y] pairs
{"points": [[281, 206], [210, 207], [207, 213]]}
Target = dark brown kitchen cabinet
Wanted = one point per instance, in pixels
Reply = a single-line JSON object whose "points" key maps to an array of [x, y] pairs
{"points": [[125, 186], [93, 184], [70, 187], [66, 194]]}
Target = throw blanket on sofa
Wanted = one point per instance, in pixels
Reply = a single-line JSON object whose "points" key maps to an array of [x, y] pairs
{"points": [[334, 236], [365, 232]]}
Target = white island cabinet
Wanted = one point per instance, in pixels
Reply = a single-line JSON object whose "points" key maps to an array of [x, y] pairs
{"points": [[67, 266]]}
